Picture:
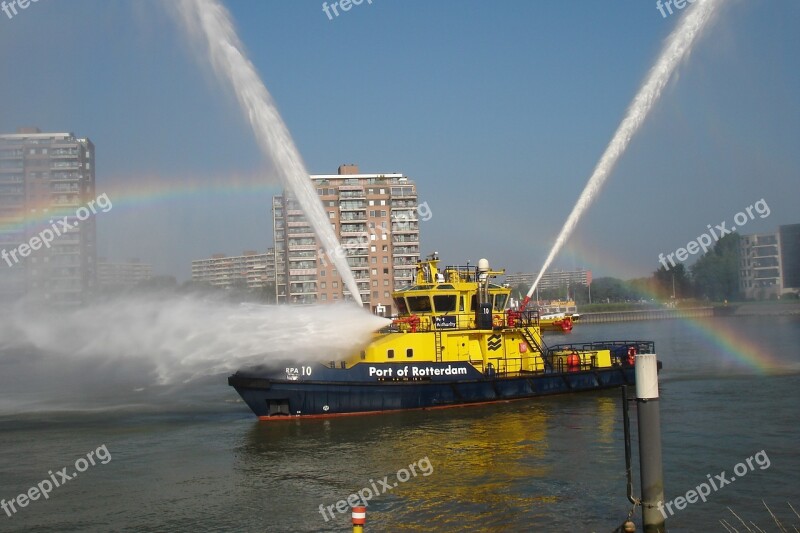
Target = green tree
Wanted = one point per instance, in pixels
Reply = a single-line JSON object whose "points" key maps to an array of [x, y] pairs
{"points": [[716, 274], [676, 278], [609, 290]]}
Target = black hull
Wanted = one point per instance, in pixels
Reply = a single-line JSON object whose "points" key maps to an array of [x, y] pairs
{"points": [[274, 399]]}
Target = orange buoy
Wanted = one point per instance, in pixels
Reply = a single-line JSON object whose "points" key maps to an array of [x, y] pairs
{"points": [[573, 360], [359, 518]]}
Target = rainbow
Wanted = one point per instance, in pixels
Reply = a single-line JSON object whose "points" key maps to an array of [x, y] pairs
{"points": [[736, 347], [723, 338], [136, 192]]}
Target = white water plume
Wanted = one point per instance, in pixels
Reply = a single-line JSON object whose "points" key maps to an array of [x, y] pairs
{"points": [[175, 339], [210, 23], [676, 49]]}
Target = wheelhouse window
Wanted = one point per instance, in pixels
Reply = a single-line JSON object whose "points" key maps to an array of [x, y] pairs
{"points": [[390, 354], [410, 352], [419, 304], [401, 306], [500, 301], [444, 303]]}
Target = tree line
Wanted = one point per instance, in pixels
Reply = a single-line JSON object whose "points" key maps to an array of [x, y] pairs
{"points": [[713, 277]]}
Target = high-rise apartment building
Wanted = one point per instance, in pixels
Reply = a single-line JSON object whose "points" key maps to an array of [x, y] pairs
{"points": [[769, 263], [375, 217], [116, 275], [789, 237], [45, 181]]}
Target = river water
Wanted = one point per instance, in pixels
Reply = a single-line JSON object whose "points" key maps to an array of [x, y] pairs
{"points": [[195, 459]]}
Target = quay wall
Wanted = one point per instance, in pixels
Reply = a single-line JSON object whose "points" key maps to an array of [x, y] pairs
{"points": [[644, 314]]}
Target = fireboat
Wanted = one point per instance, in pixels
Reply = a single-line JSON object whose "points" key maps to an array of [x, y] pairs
{"points": [[454, 343]]}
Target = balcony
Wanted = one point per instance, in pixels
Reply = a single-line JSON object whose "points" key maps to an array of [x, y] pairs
{"points": [[65, 176], [64, 165], [357, 192], [405, 228], [302, 272], [352, 215], [405, 250], [352, 205]]}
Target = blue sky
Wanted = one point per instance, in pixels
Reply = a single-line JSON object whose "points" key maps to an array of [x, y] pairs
{"points": [[498, 110]]}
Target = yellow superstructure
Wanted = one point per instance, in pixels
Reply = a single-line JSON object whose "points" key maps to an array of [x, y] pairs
{"points": [[456, 314]]}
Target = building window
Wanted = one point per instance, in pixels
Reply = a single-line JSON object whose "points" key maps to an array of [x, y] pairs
{"points": [[373, 260], [374, 282], [322, 273], [385, 260], [375, 294], [335, 284], [386, 283], [331, 214], [324, 297], [385, 270], [373, 248], [385, 248], [322, 285], [374, 271], [386, 294]]}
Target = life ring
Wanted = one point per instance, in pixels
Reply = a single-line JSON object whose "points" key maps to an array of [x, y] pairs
{"points": [[497, 321], [631, 355]]}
